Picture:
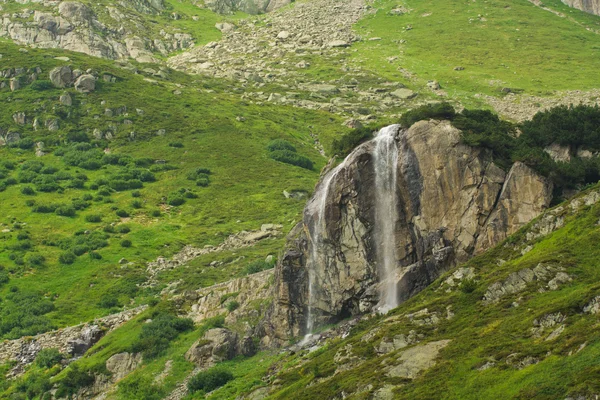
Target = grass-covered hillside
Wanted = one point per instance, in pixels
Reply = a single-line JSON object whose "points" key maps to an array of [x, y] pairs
{"points": [[136, 169], [515, 45], [520, 321]]}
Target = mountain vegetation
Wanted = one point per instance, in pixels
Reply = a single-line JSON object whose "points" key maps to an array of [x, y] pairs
{"points": [[158, 157]]}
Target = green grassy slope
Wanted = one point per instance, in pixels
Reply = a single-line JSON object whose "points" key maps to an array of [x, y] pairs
{"points": [[499, 332], [215, 131], [499, 44]]}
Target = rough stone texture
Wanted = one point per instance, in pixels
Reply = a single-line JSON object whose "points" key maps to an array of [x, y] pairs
{"points": [[417, 359], [207, 302], [73, 341], [589, 6], [524, 196], [546, 276], [450, 197], [121, 364], [85, 84], [559, 153], [75, 26], [62, 77], [216, 345]]}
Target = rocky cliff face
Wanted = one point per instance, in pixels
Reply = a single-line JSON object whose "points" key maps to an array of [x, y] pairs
{"points": [[589, 6], [451, 202], [112, 32]]}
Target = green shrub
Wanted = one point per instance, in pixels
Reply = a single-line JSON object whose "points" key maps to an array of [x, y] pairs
{"points": [[347, 142], [122, 213], [41, 84], [155, 213], [23, 314], [93, 218], [67, 258], [176, 144], [4, 277], [47, 358], [65, 211], [209, 380], [155, 336], [123, 229], [175, 200], [126, 243], [34, 259], [280, 144], [137, 204], [73, 380], [138, 387], [108, 301], [232, 305], [438, 111], [468, 286], [136, 193], [289, 157], [257, 266]]}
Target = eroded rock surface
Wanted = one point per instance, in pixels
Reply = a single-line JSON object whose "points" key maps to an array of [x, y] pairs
{"points": [[452, 202]]}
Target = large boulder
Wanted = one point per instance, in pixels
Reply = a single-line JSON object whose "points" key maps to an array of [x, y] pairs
{"points": [[85, 83], [216, 345], [451, 202], [61, 77], [121, 364]]}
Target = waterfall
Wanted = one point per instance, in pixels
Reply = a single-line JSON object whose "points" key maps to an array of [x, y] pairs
{"points": [[316, 243], [385, 163]]}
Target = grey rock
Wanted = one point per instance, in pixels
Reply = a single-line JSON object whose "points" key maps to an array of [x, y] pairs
{"points": [[66, 100], [85, 83], [61, 77], [121, 364], [448, 192], [417, 359], [15, 84], [403, 93]]}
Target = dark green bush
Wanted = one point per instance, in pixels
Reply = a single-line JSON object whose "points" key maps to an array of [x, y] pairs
{"points": [[280, 144], [47, 358], [232, 305], [438, 111], [468, 286], [123, 229], [41, 84], [122, 213], [347, 142], [23, 314], [176, 200], [257, 266], [67, 258], [137, 204], [289, 157], [176, 144], [209, 380], [65, 211], [126, 243], [155, 336], [93, 218], [73, 380], [34, 259]]}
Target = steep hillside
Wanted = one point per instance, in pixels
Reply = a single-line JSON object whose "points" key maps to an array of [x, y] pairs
{"points": [[520, 321], [156, 157]]}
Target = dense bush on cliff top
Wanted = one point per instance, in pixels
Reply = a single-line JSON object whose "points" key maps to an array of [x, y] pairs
{"points": [[571, 126]]}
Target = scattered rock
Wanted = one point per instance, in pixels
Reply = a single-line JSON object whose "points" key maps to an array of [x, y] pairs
{"points": [[416, 359], [61, 77], [85, 83]]}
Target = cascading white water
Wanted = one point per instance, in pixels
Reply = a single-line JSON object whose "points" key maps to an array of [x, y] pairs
{"points": [[385, 163], [316, 243]]}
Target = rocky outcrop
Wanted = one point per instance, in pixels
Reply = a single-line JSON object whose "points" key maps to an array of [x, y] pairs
{"points": [[76, 26], [589, 6], [218, 345], [453, 202], [121, 364], [72, 341]]}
